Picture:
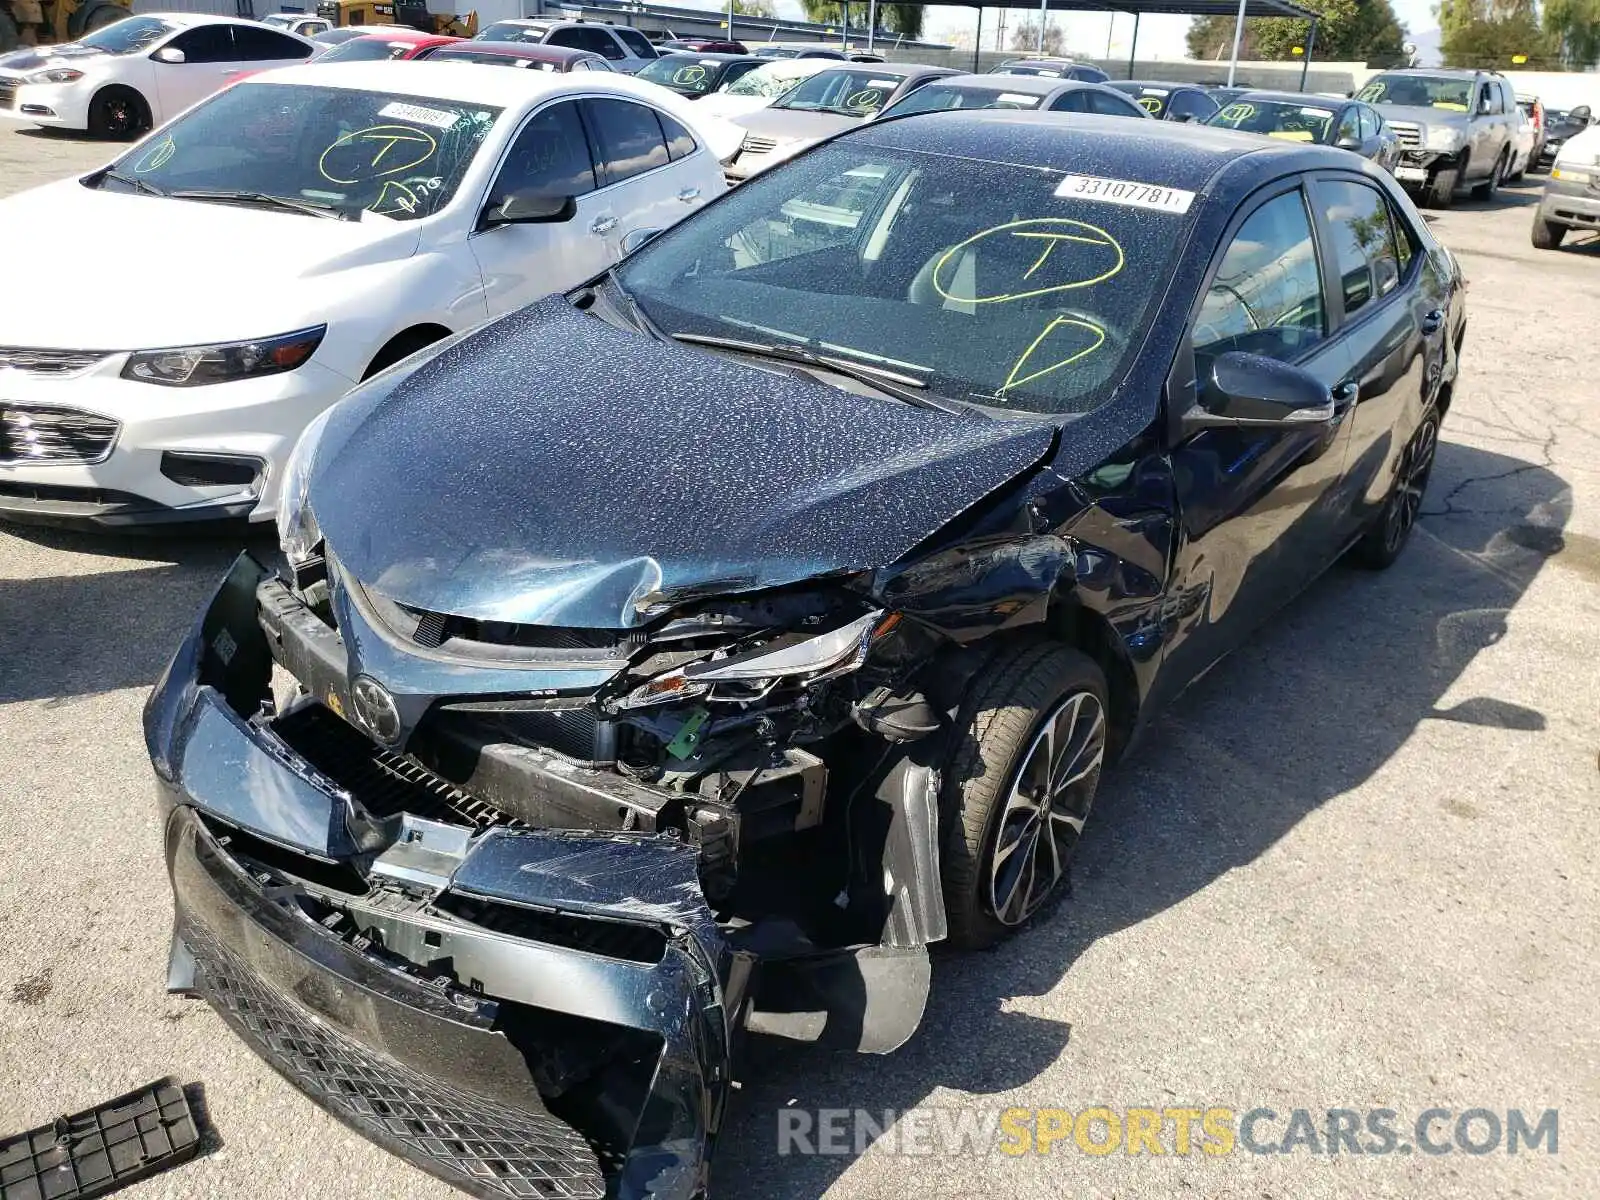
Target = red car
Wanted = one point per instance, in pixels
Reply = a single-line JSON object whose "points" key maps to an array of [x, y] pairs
{"points": [[402, 43], [703, 46], [531, 56]]}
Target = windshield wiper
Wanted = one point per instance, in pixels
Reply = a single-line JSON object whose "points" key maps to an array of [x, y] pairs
{"points": [[133, 181], [905, 388], [645, 324], [311, 208]]}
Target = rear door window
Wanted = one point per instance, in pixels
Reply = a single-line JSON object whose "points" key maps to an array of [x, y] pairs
{"points": [[1109, 105], [549, 156], [258, 42], [1363, 241], [629, 137]]}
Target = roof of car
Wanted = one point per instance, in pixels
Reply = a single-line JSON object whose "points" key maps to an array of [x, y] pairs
{"points": [[1032, 85], [404, 33], [1045, 60], [1155, 152], [1171, 85], [425, 79], [534, 51], [1308, 99], [712, 56], [896, 69]]}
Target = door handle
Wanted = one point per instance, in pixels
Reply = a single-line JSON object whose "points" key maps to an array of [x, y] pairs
{"points": [[689, 194], [1432, 322], [1345, 394], [603, 225]]}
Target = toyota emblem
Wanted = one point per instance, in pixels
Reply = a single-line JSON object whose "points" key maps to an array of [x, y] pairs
{"points": [[375, 709]]}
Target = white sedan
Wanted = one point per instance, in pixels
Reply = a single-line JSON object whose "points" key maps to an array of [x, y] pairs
{"points": [[127, 77], [759, 88], [235, 273]]}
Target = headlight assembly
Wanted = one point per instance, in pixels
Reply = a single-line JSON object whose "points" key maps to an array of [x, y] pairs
{"points": [[54, 75], [809, 661], [195, 366], [297, 525], [1446, 138]]}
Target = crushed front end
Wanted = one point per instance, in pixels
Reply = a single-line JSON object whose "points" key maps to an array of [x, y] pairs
{"points": [[500, 896]]}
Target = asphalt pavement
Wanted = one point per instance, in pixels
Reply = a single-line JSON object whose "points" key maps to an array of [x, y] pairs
{"points": [[1354, 868]]}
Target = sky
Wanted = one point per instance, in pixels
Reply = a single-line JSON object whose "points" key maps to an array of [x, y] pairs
{"points": [[1086, 33]]}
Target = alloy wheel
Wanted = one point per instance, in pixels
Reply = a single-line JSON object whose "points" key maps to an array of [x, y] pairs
{"points": [[120, 116], [1046, 807], [1407, 499]]}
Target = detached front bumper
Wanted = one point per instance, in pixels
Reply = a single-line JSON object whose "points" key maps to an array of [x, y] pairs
{"points": [[518, 1012]]}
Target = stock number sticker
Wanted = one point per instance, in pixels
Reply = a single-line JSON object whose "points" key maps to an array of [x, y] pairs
{"points": [[1125, 191]]}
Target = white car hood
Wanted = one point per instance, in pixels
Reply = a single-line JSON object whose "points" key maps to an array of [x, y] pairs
{"points": [[1583, 147], [720, 104], [132, 272]]}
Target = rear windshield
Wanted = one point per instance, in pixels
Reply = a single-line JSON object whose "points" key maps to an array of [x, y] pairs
{"points": [[367, 49], [857, 93], [489, 58], [1276, 118], [397, 156], [936, 97], [1419, 91], [1013, 287]]}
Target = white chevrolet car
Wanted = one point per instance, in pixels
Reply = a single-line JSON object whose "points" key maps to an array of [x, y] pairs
{"points": [[125, 78], [235, 273]]}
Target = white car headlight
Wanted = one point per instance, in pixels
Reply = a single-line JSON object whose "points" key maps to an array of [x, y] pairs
{"points": [[836, 653], [1446, 138], [54, 75], [298, 533], [195, 366]]}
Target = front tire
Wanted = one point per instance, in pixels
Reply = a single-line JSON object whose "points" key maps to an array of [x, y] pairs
{"points": [[1491, 185], [1547, 235], [1380, 547], [1020, 787], [118, 114], [1441, 189]]}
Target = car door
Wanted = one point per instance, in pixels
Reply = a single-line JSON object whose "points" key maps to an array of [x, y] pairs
{"points": [[638, 49], [653, 171], [1258, 507], [1392, 324], [551, 154], [208, 63]]}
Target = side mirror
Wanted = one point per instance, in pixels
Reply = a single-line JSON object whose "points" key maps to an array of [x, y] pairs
{"points": [[1581, 113], [529, 208], [637, 238], [1250, 391], [1349, 143], [171, 54]]}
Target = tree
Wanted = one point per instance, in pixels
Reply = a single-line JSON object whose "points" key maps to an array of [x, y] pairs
{"points": [[905, 18], [755, 8], [1494, 42], [1025, 36], [897, 18], [1347, 30], [1573, 30]]}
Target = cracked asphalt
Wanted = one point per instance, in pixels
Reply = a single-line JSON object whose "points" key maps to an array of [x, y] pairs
{"points": [[1355, 867]]}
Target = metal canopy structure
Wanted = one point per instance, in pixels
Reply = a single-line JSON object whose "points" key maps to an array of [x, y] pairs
{"points": [[1240, 10]]}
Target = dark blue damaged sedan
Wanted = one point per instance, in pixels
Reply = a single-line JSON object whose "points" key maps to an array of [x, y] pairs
{"points": [[686, 655]]}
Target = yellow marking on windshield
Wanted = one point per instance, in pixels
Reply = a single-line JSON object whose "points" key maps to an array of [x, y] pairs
{"points": [[157, 156], [365, 154], [866, 98], [1092, 267], [1015, 379], [1371, 92], [1450, 106], [1292, 135], [395, 197], [1151, 104], [689, 75], [1235, 113]]}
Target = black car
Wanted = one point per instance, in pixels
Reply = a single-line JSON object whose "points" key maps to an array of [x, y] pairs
{"points": [[696, 75], [1292, 116], [686, 654], [1559, 125], [1169, 101], [1034, 92], [1052, 68]]}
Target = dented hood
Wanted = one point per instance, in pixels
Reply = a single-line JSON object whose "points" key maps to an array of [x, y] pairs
{"points": [[551, 469]]}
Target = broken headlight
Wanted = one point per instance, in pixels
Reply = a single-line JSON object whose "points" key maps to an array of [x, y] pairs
{"points": [[811, 660], [297, 526]]}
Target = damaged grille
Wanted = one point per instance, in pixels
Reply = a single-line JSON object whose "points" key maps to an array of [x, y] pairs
{"points": [[384, 783], [486, 1148], [1410, 137], [572, 733], [612, 939]]}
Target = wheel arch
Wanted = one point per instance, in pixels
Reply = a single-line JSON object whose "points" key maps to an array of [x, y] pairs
{"points": [[404, 344], [144, 102], [1076, 624]]}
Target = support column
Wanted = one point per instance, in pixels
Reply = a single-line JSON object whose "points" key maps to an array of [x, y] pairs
{"points": [[1238, 35], [1311, 46], [1133, 47], [1044, 13], [977, 41]]}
